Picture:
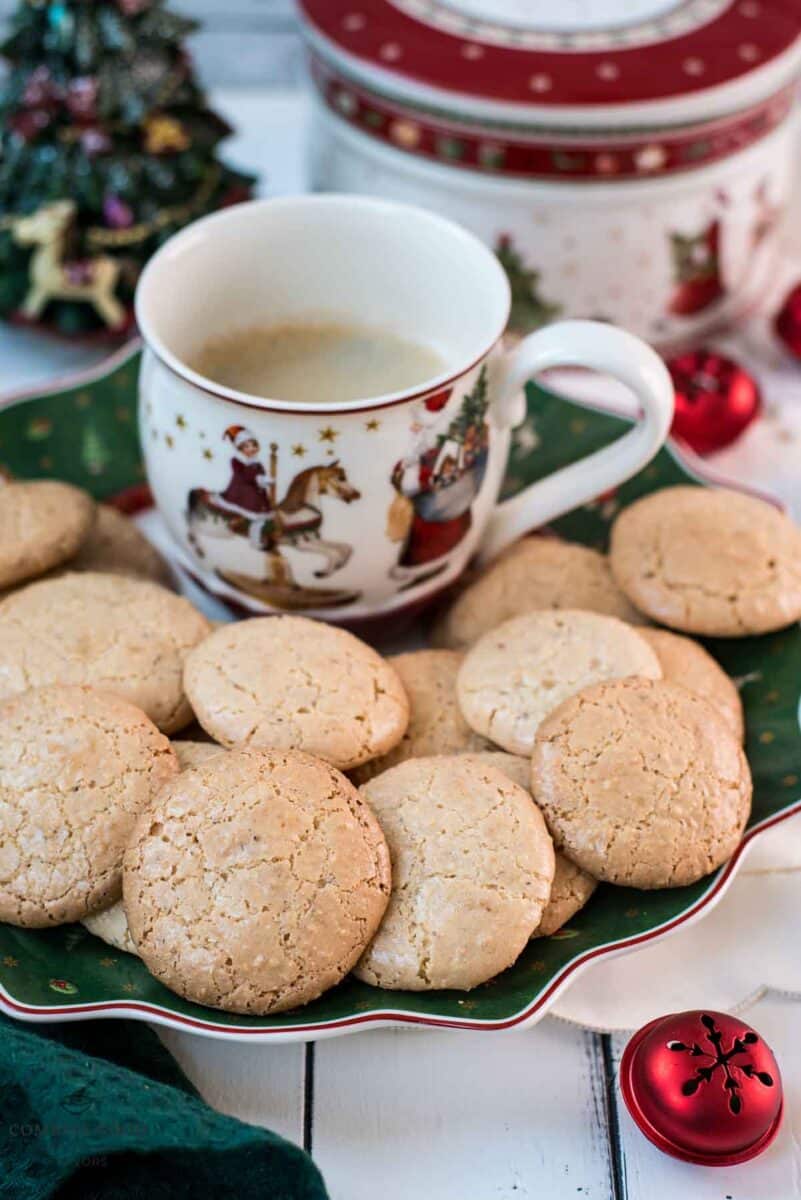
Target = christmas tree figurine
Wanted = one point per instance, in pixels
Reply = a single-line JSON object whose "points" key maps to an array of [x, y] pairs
{"points": [[107, 147], [529, 309]]}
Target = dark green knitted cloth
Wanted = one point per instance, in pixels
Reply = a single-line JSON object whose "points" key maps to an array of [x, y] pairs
{"points": [[99, 1110]]}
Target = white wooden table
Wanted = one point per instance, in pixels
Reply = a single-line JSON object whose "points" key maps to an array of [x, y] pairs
{"points": [[445, 1115]]}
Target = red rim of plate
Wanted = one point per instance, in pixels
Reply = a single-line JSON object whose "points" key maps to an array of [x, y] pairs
{"points": [[748, 38], [663, 1143], [132, 500]]}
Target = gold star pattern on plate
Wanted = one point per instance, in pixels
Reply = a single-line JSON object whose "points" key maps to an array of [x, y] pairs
{"points": [[129, 987], [170, 440], [208, 454], [108, 962], [299, 450], [180, 421], [10, 961], [372, 425], [328, 434]]}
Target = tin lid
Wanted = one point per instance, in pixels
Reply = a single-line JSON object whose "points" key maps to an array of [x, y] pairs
{"points": [[703, 1087], [589, 62]]}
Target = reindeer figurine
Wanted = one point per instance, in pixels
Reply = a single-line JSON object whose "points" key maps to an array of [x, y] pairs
{"points": [[93, 281]]}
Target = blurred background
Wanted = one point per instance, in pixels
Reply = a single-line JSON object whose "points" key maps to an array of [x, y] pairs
{"points": [[242, 43]]}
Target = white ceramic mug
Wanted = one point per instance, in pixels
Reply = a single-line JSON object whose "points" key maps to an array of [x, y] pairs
{"points": [[358, 509]]}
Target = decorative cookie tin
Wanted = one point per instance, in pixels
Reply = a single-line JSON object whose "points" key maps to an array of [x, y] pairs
{"points": [[629, 165]]}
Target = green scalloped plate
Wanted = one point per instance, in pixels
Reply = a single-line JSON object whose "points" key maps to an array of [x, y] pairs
{"points": [[84, 430]]}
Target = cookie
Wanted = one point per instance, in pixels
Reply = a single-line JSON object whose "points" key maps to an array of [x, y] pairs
{"points": [[571, 887], [76, 767], [42, 524], [709, 561], [518, 673], [126, 635], [116, 546], [112, 924], [683, 661], [641, 783], [472, 865], [293, 684], [255, 881], [192, 754], [436, 724], [534, 573]]}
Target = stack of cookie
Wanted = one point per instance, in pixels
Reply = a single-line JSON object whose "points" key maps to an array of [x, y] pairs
{"points": [[416, 819]]}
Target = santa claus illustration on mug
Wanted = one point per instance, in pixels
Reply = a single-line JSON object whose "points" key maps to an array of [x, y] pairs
{"points": [[440, 477]]}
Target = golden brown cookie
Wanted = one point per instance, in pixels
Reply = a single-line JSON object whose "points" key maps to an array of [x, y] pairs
{"points": [[126, 635], [518, 673], [534, 573], [709, 561], [42, 524], [255, 881], [76, 767], [641, 783], [683, 661], [116, 546], [112, 924], [291, 683], [571, 887], [192, 754], [436, 724], [472, 865]]}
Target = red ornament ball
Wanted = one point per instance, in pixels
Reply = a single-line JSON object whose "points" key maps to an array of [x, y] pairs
{"points": [[703, 1086], [716, 399], [787, 322]]}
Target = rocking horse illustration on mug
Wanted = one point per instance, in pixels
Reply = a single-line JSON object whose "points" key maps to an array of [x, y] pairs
{"points": [[267, 532]]}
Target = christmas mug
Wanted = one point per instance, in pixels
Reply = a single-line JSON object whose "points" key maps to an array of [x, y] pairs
{"points": [[358, 509]]}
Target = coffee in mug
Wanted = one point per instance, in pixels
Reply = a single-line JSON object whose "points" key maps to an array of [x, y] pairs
{"points": [[316, 362]]}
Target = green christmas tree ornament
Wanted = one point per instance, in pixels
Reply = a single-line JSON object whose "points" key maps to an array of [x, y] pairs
{"points": [[107, 147]]}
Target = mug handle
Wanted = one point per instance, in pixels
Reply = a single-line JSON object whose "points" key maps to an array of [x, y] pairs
{"points": [[602, 348]]}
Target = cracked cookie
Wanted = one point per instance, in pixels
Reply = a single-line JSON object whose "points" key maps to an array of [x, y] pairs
{"points": [[709, 561], [192, 754], [641, 783], [128, 636], [534, 573], [571, 887], [112, 924], [518, 673], [255, 881], [436, 724], [116, 546], [291, 683], [472, 865], [683, 661], [42, 524], [76, 768]]}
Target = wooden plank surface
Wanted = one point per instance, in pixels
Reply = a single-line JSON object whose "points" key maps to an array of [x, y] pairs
{"points": [[468, 1116], [263, 1085], [775, 1175]]}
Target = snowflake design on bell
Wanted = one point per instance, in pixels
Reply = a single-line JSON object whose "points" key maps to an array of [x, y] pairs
{"points": [[720, 1059]]}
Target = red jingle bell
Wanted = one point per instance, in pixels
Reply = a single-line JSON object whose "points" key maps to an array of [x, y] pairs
{"points": [[787, 322], [703, 1087], [716, 399]]}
